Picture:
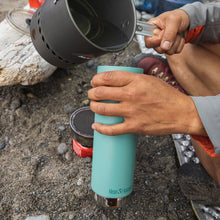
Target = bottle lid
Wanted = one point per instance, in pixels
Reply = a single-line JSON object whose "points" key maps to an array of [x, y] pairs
{"points": [[81, 123], [17, 18]]}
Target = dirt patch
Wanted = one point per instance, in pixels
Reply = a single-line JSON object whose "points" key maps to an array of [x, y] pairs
{"points": [[35, 179]]}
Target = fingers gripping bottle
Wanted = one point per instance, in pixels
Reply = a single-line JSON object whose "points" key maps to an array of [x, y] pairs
{"points": [[113, 162]]}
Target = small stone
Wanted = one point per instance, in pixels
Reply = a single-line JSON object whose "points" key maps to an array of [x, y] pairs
{"points": [[166, 199], [90, 63], [85, 102], [69, 156], [88, 159], [68, 109], [42, 208], [86, 85], [173, 180], [2, 146], [40, 217], [62, 148], [147, 183], [79, 91], [71, 217], [16, 103], [31, 95], [80, 181], [17, 209], [61, 128]]}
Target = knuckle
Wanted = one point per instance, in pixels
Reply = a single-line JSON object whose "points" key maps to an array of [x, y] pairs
{"points": [[169, 35], [97, 107], [171, 17], [107, 130], [130, 112], [148, 43], [111, 132], [107, 76], [159, 50], [132, 94], [131, 128], [100, 109], [92, 106], [129, 108], [96, 93], [90, 94]]}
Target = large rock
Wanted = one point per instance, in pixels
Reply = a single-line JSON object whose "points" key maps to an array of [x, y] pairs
{"points": [[19, 61]]}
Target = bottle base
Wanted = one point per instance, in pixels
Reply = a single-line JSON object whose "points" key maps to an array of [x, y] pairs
{"points": [[111, 202]]}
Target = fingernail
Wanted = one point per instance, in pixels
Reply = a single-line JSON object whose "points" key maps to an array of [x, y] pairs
{"points": [[93, 126], [166, 45]]}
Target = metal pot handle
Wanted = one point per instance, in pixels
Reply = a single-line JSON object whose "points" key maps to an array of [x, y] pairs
{"points": [[145, 28]]}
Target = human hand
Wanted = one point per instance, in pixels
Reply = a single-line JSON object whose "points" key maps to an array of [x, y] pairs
{"points": [[170, 36], [148, 105]]}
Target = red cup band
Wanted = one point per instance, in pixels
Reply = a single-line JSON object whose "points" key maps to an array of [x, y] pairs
{"points": [[82, 151]]}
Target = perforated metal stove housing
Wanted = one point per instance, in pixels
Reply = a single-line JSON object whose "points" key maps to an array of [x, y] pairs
{"points": [[186, 153]]}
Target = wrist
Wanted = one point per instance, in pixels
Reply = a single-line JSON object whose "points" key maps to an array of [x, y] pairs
{"points": [[195, 125], [185, 20]]}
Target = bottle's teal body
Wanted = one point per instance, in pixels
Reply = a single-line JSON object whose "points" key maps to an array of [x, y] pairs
{"points": [[113, 156]]}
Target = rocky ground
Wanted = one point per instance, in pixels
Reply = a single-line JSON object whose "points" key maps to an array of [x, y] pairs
{"points": [[40, 174]]}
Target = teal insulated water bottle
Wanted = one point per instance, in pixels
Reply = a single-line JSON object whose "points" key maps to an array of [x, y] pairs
{"points": [[113, 161]]}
